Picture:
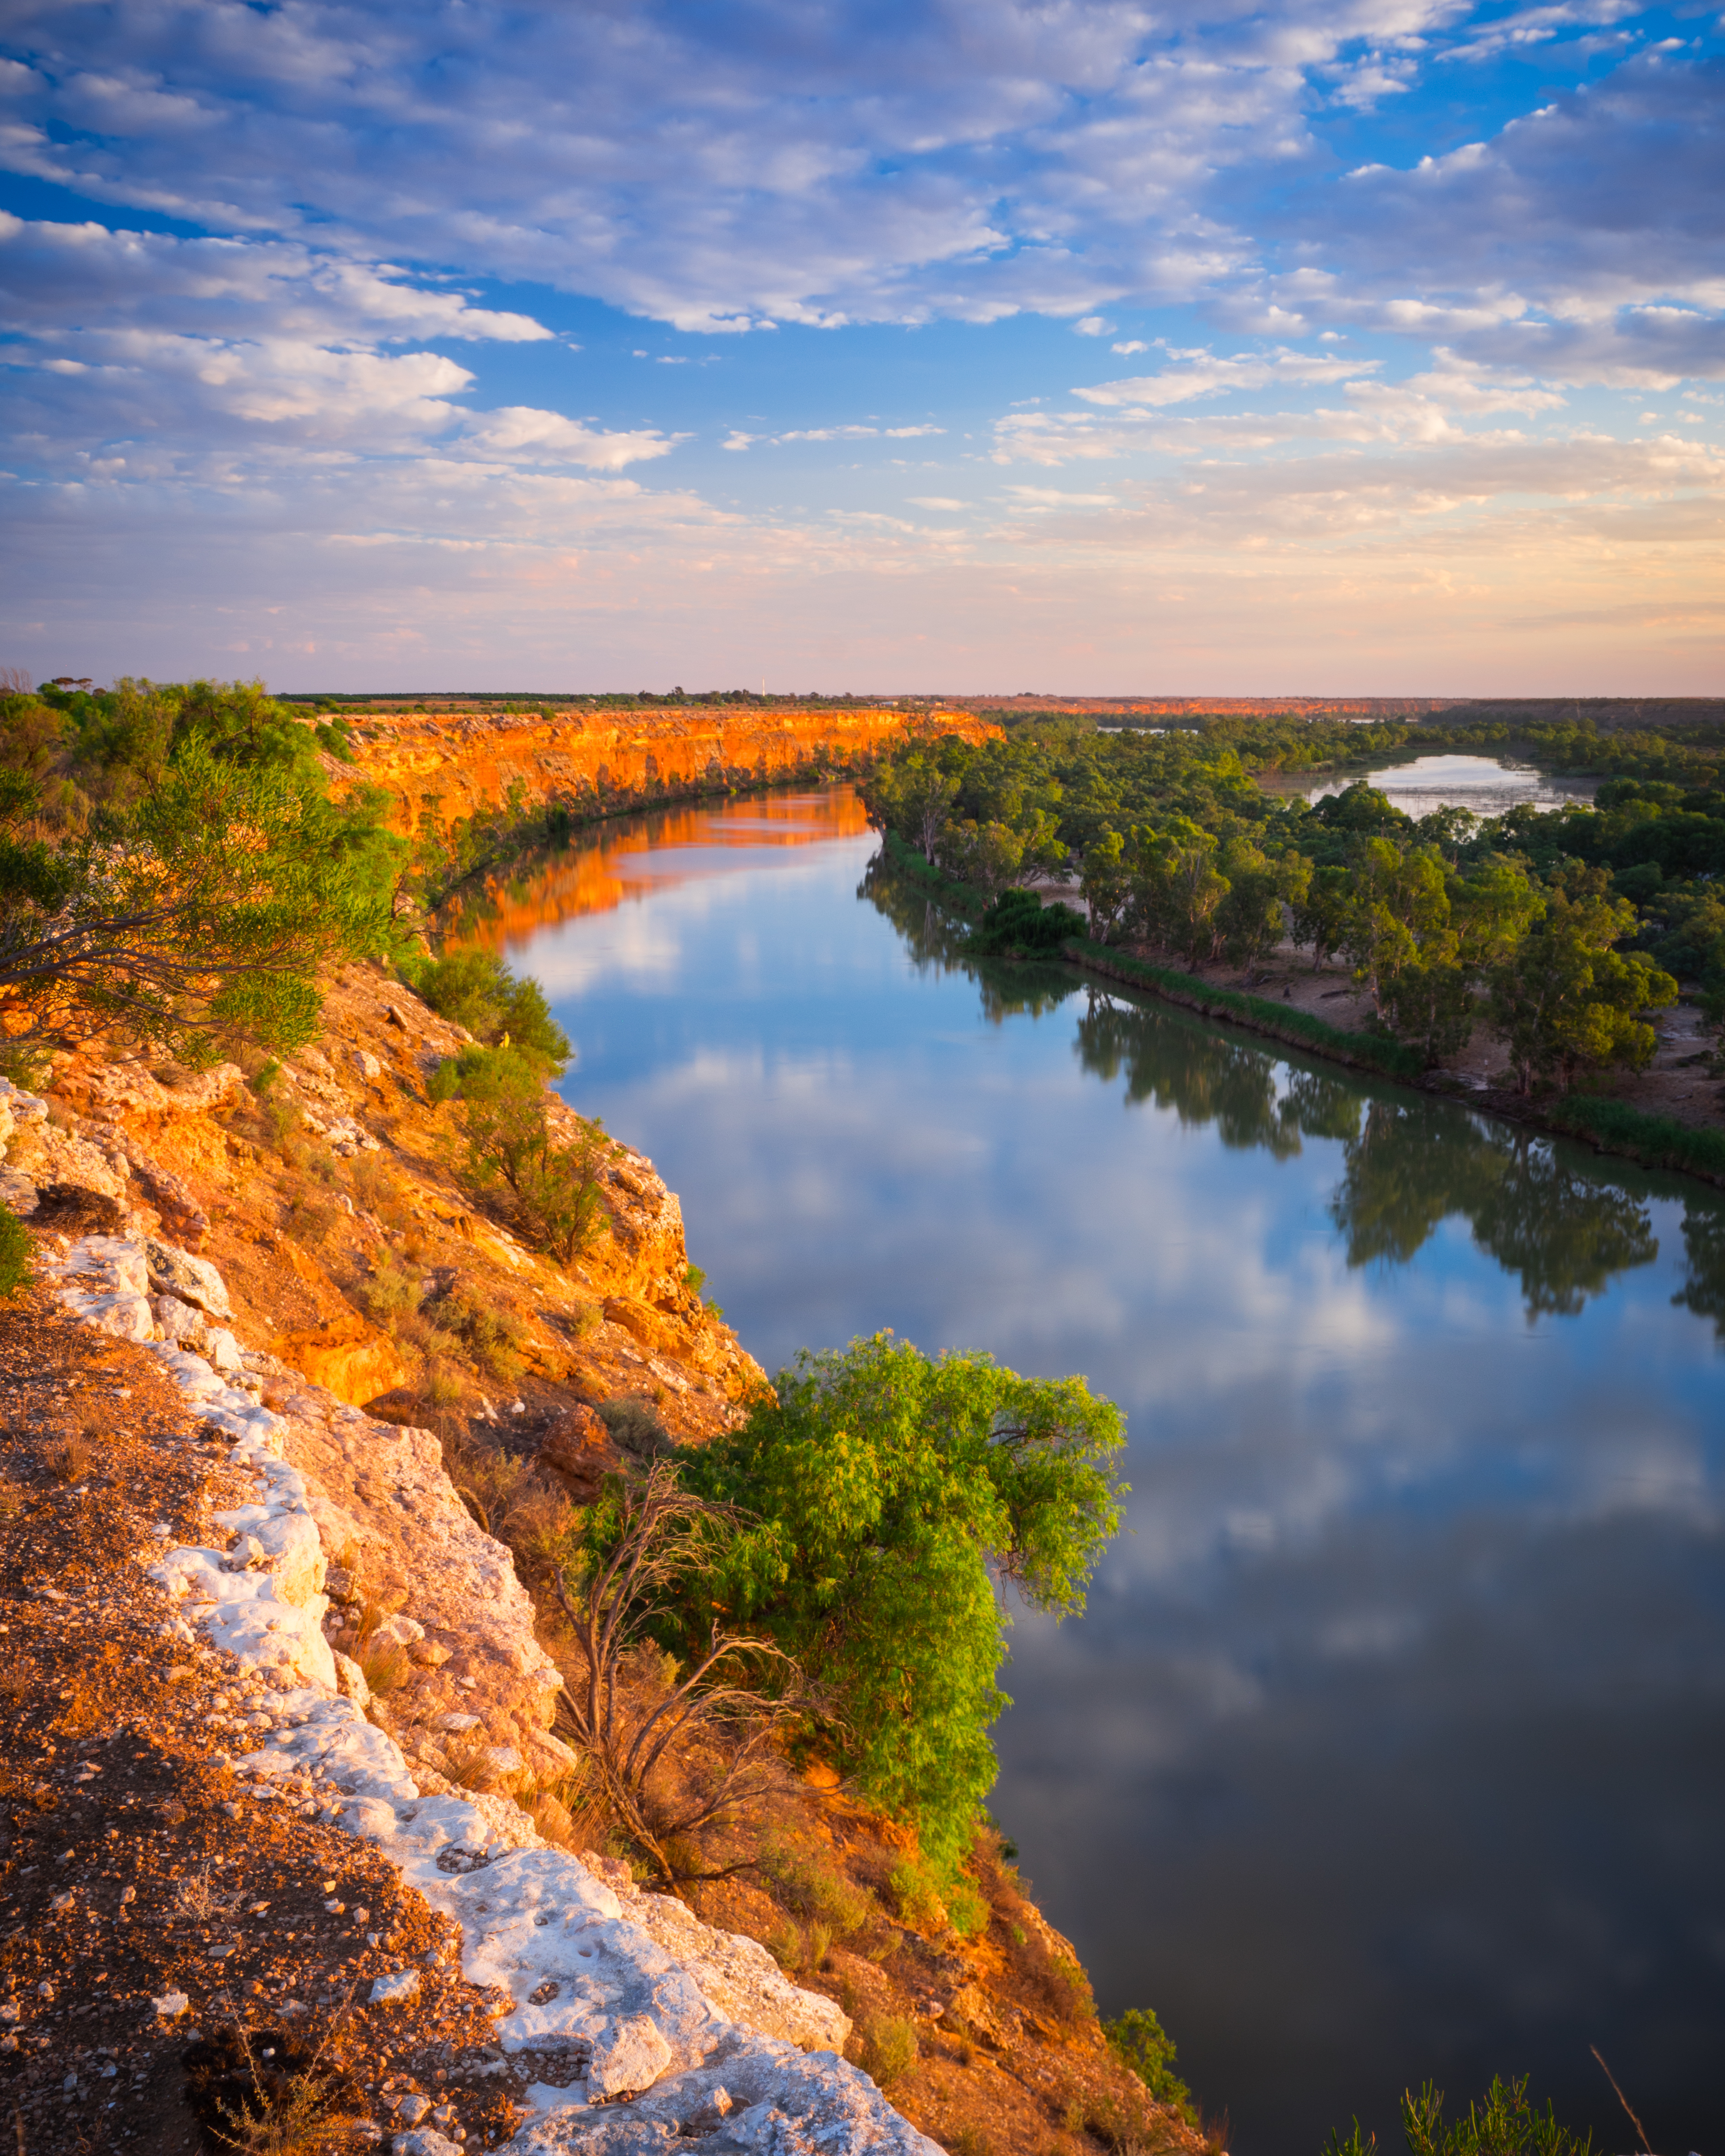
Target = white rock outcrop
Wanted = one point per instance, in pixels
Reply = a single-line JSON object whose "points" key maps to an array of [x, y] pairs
{"points": [[680, 2035]]}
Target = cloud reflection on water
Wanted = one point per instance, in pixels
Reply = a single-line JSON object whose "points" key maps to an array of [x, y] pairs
{"points": [[1387, 1746]]}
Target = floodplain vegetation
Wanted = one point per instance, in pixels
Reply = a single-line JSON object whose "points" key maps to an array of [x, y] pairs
{"points": [[1561, 932]]}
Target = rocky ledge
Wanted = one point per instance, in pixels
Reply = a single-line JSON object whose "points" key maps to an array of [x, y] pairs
{"points": [[647, 2029]]}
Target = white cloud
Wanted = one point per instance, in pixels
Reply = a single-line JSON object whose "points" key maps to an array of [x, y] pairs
{"points": [[517, 430], [1093, 326], [1048, 497], [149, 349], [935, 501], [1131, 345], [1203, 374]]}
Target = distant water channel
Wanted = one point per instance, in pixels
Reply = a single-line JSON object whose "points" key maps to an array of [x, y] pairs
{"points": [[1485, 784], [1393, 1742]]}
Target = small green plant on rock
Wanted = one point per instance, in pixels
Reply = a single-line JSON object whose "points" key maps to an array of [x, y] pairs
{"points": [[635, 1427], [813, 1888], [554, 1189], [885, 2046], [917, 1895]]}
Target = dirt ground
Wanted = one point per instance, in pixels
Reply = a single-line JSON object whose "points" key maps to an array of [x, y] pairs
{"points": [[135, 1868]]}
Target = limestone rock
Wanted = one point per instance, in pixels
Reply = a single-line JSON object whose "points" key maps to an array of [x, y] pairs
{"points": [[191, 1280], [182, 1323], [47, 1156], [776, 2101], [172, 1197], [741, 1978], [351, 1679], [628, 2058]]}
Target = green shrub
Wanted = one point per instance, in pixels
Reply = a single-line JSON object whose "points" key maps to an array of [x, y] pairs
{"points": [[476, 990], [555, 1188], [1019, 922], [636, 1428], [1503, 2122], [917, 1895], [16, 1252], [967, 1907], [392, 1291], [492, 1336], [886, 2049], [813, 1888], [886, 1490], [1139, 2042]]}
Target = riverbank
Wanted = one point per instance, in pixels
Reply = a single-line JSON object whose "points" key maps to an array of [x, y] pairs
{"points": [[1610, 1126]]}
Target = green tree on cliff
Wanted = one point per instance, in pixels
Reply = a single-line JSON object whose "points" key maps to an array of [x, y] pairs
{"points": [[172, 869], [893, 1494]]}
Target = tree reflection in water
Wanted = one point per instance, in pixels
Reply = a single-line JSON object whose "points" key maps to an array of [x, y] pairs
{"points": [[1565, 1234], [1208, 1077], [1563, 1227], [1704, 1242]]}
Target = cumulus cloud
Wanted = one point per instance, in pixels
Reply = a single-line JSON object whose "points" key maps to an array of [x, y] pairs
{"points": [[319, 355], [519, 431], [53, 275], [851, 433], [1606, 197], [138, 350]]}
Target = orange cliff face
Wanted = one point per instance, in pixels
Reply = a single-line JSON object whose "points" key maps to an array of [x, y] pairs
{"points": [[446, 765]]}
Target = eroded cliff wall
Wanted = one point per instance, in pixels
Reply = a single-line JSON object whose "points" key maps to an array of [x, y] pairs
{"points": [[447, 764]]}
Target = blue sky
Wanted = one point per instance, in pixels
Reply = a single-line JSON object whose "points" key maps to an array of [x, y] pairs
{"points": [[1371, 348]]}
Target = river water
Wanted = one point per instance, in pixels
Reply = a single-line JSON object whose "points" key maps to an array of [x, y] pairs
{"points": [[1392, 1745]]}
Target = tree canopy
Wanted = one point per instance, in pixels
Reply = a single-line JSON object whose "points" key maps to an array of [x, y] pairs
{"points": [[173, 870], [893, 1495]]}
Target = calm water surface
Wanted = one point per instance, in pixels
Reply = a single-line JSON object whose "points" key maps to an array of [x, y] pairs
{"points": [[1393, 1743], [1485, 784]]}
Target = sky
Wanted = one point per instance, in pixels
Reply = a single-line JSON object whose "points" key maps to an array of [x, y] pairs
{"points": [[1320, 346]]}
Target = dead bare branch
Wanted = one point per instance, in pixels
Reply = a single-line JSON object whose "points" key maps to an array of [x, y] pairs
{"points": [[665, 1533]]}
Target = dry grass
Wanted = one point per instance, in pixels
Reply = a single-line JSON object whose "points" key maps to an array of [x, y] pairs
{"points": [[260, 2094], [309, 1222], [884, 2046], [385, 1667], [72, 1460]]}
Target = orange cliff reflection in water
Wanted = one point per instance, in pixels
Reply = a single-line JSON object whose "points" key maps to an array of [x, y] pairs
{"points": [[636, 854]]}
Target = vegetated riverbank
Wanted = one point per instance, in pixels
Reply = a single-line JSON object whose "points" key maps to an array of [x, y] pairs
{"points": [[1610, 1125]]}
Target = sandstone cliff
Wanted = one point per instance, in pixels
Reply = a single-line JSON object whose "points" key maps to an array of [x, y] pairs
{"points": [[447, 764]]}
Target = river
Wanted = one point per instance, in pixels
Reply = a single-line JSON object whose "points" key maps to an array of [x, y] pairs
{"points": [[1391, 1745]]}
